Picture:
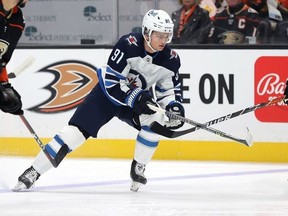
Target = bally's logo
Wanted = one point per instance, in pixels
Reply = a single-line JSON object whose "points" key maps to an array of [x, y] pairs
{"points": [[72, 82], [271, 73], [93, 15]]}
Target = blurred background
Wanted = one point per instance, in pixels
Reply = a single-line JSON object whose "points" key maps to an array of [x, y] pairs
{"points": [[102, 22], [67, 22]]}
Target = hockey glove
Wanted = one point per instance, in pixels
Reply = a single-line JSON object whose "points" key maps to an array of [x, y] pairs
{"points": [[137, 99], [10, 100], [286, 93], [176, 108]]}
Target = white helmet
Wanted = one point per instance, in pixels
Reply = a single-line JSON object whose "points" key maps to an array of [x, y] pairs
{"points": [[157, 20]]}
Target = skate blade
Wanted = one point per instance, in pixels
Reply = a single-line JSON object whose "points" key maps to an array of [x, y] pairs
{"points": [[135, 186], [20, 186]]}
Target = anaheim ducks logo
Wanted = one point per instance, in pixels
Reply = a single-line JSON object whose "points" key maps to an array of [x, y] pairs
{"points": [[231, 37], [3, 47], [73, 81]]}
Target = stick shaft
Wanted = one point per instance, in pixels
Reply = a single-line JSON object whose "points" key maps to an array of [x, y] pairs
{"points": [[158, 128], [199, 125], [240, 112], [17, 71], [35, 136]]}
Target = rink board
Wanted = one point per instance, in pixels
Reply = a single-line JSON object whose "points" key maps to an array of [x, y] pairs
{"points": [[216, 83], [167, 150]]}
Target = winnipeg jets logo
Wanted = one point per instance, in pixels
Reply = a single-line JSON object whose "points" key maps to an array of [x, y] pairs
{"points": [[136, 80], [153, 13], [73, 80], [132, 81], [132, 40]]}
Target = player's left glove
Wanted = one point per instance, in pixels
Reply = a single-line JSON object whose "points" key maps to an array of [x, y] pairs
{"points": [[286, 93], [177, 108], [10, 100], [137, 99]]}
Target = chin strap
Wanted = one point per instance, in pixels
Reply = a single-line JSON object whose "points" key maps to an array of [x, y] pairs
{"points": [[149, 44]]}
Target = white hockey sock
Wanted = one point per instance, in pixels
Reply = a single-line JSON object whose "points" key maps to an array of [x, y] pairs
{"points": [[146, 145], [69, 135], [41, 163]]}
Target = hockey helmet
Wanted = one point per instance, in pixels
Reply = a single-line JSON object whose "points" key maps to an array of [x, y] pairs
{"points": [[157, 20]]}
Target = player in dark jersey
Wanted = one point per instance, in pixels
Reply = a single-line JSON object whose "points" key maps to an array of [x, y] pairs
{"points": [[234, 24], [137, 63], [286, 93], [11, 27]]}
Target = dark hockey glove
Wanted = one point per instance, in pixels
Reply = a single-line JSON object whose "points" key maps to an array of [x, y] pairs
{"points": [[176, 108], [137, 99], [10, 100], [286, 93]]}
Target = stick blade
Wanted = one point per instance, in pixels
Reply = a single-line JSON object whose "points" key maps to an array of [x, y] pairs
{"points": [[166, 132], [160, 129], [25, 64], [11, 75], [249, 138]]}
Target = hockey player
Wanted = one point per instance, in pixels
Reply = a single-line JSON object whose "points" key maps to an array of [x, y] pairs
{"points": [[137, 63], [11, 27], [234, 24], [286, 93]]}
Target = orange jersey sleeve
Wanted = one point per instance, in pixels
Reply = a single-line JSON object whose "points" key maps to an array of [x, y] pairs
{"points": [[3, 75]]}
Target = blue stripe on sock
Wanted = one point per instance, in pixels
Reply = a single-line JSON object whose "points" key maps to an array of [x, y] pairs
{"points": [[146, 142], [50, 150], [59, 140], [146, 128]]}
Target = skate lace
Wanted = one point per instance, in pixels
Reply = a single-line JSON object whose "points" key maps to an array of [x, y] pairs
{"points": [[139, 169], [31, 175]]}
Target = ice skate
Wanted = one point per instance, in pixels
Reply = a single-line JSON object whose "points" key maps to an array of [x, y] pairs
{"points": [[137, 175], [27, 179]]}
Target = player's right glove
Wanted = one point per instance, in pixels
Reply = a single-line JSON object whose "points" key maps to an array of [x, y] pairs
{"points": [[176, 108], [10, 100], [137, 99], [286, 93]]}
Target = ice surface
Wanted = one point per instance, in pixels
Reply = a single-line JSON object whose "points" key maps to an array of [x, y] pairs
{"points": [[101, 187]]}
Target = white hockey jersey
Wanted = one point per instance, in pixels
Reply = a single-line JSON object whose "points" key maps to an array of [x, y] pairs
{"points": [[130, 65]]}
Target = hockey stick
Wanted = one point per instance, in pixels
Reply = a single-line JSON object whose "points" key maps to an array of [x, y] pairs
{"points": [[28, 126], [247, 141], [17, 71], [164, 131]]}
